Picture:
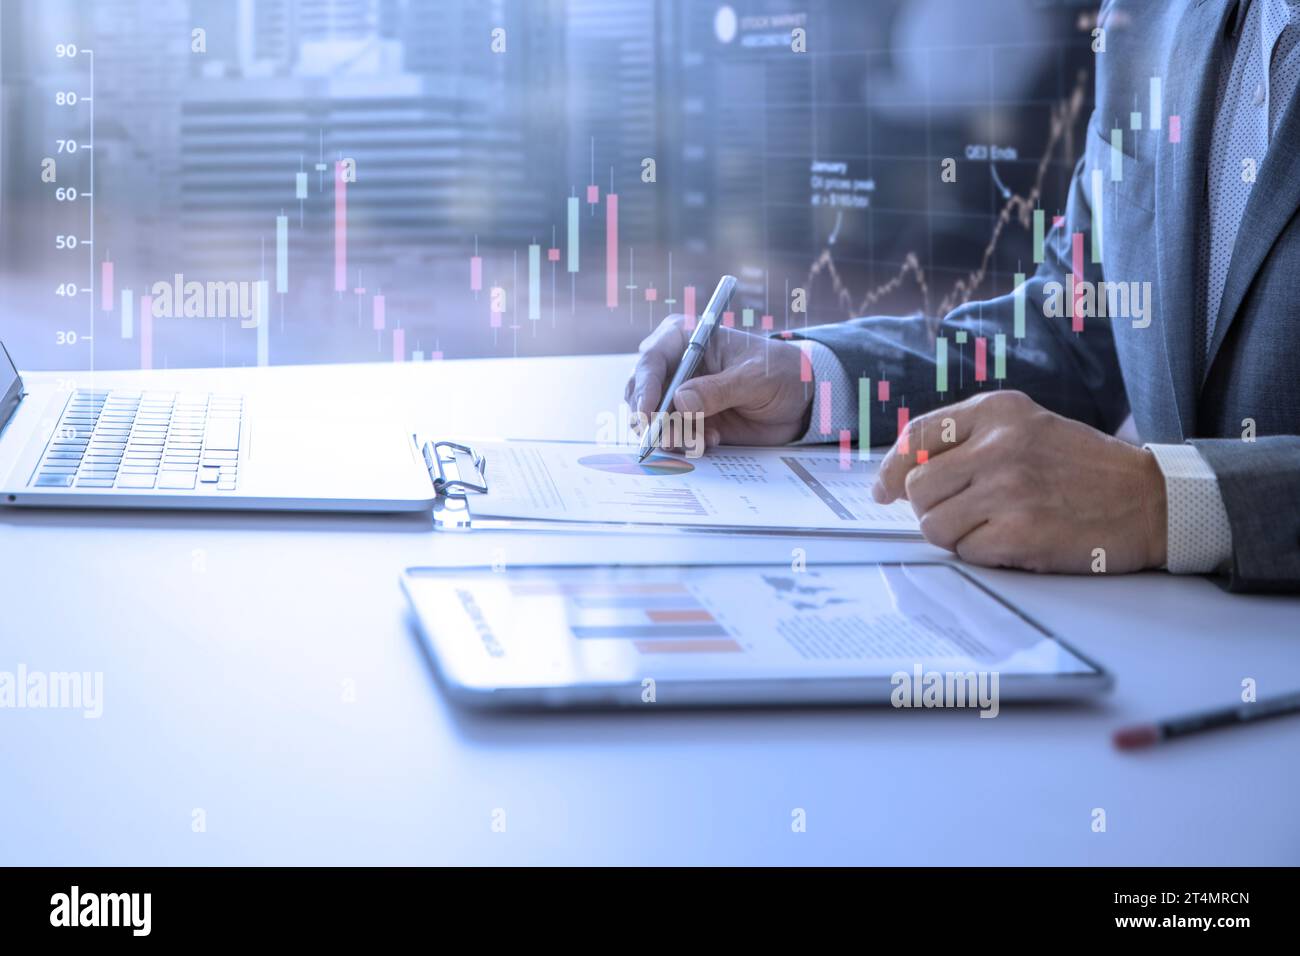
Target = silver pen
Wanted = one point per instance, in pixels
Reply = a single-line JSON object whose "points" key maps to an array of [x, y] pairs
{"points": [[691, 359]]}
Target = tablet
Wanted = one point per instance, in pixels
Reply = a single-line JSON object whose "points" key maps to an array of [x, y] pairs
{"points": [[909, 635]]}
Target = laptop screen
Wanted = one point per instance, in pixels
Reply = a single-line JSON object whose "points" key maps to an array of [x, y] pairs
{"points": [[11, 387]]}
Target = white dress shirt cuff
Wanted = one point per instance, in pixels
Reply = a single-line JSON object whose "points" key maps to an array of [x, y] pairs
{"points": [[834, 403], [1199, 536]]}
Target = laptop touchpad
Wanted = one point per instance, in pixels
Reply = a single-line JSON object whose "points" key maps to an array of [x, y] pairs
{"points": [[338, 446]]}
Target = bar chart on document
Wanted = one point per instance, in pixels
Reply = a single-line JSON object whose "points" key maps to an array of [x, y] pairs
{"points": [[752, 488]]}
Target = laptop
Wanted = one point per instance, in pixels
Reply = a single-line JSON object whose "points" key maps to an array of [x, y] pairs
{"points": [[143, 447]]}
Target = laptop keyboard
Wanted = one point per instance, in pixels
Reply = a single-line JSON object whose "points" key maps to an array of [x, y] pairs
{"points": [[177, 441]]}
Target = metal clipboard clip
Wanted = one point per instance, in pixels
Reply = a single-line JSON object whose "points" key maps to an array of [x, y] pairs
{"points": [[451, 490]]}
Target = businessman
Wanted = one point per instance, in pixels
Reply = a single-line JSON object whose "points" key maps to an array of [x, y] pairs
{"points": [[1205, 215]]}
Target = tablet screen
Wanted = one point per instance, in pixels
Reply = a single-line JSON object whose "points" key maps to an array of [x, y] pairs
{"points": [[523, 627]]}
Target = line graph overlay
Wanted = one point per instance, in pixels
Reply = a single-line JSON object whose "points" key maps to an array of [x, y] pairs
{"points": [[1063, 118]]}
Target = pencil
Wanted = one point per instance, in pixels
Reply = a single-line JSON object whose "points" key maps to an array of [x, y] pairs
{"points": [[1144, 735]]}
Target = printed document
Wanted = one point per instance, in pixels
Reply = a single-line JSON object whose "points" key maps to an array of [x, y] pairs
{"points": [[787, 488]]}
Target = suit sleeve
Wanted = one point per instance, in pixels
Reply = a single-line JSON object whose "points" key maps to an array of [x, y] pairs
{"points": [[1075, 374], [1260, 484]]}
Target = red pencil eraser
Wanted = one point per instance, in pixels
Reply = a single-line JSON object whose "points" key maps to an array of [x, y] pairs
{"points": [[1134, 738]]}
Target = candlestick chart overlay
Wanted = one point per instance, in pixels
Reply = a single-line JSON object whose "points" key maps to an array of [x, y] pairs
{"points": [[298, 181]]}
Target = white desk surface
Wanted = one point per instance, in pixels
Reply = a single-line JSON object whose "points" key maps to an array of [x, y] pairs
{"points": [[225, 641]]}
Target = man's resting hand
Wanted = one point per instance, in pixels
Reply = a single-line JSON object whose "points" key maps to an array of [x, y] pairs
{"points": [[1010, 484]]}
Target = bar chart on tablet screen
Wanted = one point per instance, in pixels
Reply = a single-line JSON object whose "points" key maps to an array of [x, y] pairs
{"points": [[658, 618]]}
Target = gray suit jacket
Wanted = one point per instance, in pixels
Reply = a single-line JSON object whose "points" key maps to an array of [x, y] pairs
{"points": [[1150, 225]]}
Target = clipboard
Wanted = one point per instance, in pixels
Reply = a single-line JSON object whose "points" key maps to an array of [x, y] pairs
{"points": [[459, 472], [451, 493]]}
